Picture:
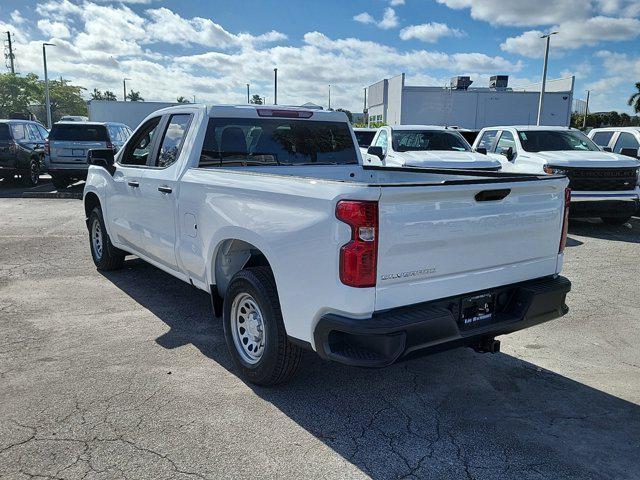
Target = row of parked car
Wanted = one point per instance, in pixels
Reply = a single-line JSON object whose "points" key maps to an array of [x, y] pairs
{"points": [[28, 149], [602, 168]]}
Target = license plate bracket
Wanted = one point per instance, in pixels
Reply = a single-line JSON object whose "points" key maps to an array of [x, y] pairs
{"points": [[477, 310]]}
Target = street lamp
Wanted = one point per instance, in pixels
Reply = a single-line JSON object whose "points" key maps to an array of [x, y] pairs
{"points": [[47, 99], [124, 89], [329, 97], [544, 74]]}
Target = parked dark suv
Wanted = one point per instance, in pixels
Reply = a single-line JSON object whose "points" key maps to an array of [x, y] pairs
{"points": [[69, 142], [22, 150]]}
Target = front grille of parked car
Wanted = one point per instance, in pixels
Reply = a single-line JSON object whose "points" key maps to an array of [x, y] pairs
{"points": [[602, 179]]}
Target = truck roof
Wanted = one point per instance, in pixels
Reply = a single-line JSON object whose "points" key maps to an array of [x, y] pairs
{"points": [[616, 129], [530, 127], [251, 111], [419, 127]]}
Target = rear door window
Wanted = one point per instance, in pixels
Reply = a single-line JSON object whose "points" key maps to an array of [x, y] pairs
{"points": [[625, 140], [19, 135], [43, 131], [262, 141], [78, 133], [33, 134], [602, 138]]}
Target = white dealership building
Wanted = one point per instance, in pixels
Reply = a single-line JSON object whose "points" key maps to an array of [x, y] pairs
{"points": [[458, 104]]}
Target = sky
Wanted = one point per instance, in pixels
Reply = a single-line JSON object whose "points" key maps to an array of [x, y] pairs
{"points": [[212, 49]]}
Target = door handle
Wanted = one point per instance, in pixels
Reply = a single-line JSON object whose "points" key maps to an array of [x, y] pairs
{"points": [[133, 184], [164, 189]]}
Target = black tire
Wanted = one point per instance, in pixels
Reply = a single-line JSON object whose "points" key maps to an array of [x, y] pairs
{"points": [[107, 257], [60, 181], [615, 220], [32, 177], [280, 358]]}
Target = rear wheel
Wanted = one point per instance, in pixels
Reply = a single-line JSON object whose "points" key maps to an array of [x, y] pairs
{"points": [[32, 177], [60, 181], [615, 220], [105, 255], [254, 330]]}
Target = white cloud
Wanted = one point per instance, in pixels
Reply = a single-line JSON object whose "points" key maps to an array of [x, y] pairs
{"points": [[574, 34], [389, 19], [17, 18], [53, 29], [429, 32], [625, 8], [395, 3], [522, 13], [364, 17]]}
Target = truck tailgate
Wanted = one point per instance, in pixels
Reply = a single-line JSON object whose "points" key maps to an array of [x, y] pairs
{"points": [[440, 241]]}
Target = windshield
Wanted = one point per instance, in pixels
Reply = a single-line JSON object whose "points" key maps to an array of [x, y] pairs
{"points": [[555, 140], [260, 141], [364, 138], [78, 133], [419, 140]]}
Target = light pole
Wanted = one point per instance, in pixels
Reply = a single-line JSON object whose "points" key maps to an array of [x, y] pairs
{"points": [[329, 97], [275, 86], [544, 74], [124, 89], [248, 98], [586, 111], [47, 99]]}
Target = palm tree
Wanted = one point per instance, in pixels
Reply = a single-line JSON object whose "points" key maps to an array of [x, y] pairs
{"points": [[182, 99], [96, 95], [634, 100], [134, 96], [109, 95]]}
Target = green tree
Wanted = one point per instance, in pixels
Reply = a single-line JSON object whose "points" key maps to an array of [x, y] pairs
{"points": [[634, 100], [109, 95], [66, 99], [182, 99], [134, 96], [346, 112], [97, 95], [256, 99], [17, 93]]}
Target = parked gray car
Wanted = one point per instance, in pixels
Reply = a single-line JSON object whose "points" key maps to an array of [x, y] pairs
{"points": [[69, 142]]}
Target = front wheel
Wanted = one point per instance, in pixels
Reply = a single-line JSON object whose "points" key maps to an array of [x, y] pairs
{"points": [[32, 177], [615, 220], [254, 330], [105, 256]]}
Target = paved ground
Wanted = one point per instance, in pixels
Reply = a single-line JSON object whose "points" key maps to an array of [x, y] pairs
{"points": [[126, 375]]}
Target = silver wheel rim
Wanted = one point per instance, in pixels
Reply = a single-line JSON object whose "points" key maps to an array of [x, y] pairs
{"points": [[96, 238], [247, 328]]}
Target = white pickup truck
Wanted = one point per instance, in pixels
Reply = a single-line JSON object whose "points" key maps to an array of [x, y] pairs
{"points": [[603, 184], [425, 146], [271, 211]]}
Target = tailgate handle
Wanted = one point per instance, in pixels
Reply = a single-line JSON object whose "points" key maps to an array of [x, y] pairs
{"points": [[492, 195]]}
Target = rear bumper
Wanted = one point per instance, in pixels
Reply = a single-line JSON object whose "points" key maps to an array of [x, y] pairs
{"points": [[433, 326], [604, 204]]}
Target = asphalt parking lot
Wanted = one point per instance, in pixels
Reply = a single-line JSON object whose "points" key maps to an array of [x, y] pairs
{"points": [[126, 375]]}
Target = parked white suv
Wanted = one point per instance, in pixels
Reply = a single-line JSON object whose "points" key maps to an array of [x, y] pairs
{"points": [[622, 140], [425, 146], [300, 246], [603, 184]]}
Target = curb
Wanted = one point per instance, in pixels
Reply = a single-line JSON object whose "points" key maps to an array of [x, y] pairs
{"points": [[64, 195]]}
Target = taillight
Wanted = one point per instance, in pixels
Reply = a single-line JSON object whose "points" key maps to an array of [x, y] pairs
{"points": [[47, 150], [109, 145], [358, 258], [565, 220]]}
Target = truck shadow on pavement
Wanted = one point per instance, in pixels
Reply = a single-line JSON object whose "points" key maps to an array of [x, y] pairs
{"points": [[456, 414], [630, 232]]}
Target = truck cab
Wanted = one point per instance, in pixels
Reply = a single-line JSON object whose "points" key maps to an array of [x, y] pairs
{"points": [[425, 146], [603, 184]]}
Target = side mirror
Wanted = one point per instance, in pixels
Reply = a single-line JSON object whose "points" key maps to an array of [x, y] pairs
{"points": [[507, 152], [377, 151], [630, 152], [481, 150], [607, 149], [102, 158]]}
